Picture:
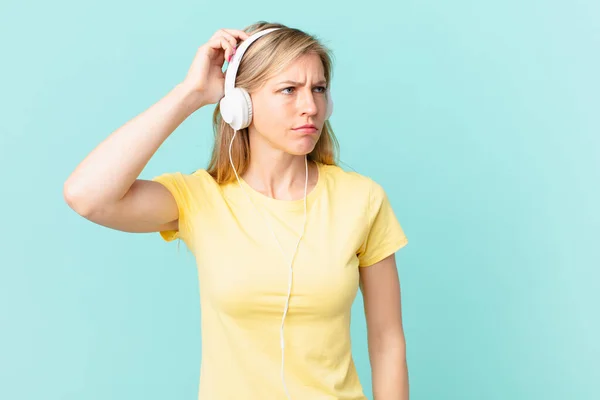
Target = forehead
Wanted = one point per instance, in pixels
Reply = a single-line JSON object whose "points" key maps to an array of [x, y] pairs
{"points": [[307, 66]]}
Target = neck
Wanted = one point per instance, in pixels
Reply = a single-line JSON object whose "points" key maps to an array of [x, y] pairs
{"points": [[278, 174]]}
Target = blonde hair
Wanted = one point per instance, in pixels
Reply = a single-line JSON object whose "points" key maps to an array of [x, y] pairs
{"points": [[267, 57]]}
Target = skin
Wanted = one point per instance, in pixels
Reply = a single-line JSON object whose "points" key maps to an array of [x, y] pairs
{"points": [[277, 166], [380, 288]]}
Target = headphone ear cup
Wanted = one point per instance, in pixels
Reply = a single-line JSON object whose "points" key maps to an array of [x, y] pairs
{"points": [[236, 109], [226, 110], [247, 107]]}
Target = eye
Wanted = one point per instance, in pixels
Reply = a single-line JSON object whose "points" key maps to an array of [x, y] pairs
{"points": [[289, 90]]}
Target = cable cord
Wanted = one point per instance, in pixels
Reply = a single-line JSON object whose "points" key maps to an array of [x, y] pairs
{"points": [[287, 302]]}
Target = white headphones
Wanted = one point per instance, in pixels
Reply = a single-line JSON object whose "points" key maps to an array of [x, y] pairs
{"points": [[236, 106]]}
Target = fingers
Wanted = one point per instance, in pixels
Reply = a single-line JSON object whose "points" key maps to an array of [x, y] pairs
{"points": [[228, 47], [221, 45], [241, 35], [231, 44], [227, 40]]}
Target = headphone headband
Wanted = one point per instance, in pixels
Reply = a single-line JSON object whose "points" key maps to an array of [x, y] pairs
{"points": [[232, 69]]}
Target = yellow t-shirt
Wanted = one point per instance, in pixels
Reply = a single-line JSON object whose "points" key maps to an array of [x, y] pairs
{"points": [[243, 280]]}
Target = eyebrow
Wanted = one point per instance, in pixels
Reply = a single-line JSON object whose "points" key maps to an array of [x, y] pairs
{"points": [[321, 82]]}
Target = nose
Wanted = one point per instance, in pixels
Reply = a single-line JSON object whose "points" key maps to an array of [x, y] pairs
{"points": [[307, 103]]}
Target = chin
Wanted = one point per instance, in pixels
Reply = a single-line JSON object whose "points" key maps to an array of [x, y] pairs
{"points": [[301, 147]]}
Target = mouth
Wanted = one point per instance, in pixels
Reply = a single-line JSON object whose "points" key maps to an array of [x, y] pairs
{"points": [[308, 128]]}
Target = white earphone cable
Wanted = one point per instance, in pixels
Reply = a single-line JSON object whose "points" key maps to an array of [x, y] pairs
{"points": [[287, 302]]}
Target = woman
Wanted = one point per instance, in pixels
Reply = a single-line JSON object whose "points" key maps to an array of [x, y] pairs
{"points": [[282, 236]]}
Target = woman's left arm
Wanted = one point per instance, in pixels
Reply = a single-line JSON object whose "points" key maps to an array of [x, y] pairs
{"points": [[380, 287]]}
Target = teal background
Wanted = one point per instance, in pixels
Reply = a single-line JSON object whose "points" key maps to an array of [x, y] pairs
{"points": [[479, 118]]}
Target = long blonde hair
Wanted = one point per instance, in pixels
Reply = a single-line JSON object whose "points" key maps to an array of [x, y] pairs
{"points": [[264, 59]]}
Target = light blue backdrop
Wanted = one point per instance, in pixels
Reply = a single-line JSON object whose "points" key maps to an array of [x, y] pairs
{"points": [[479, 118]]}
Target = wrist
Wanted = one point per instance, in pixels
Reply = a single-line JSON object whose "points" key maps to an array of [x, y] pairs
{"points": [[191, 99]]}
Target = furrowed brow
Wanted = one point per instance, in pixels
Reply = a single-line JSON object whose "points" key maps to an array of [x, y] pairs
{"points": [[321, 82]]}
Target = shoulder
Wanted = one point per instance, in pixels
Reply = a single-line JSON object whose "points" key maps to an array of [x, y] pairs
{"points": [[199, 176], [358, 183], [194, 183], [202, 175], [195, 191]]}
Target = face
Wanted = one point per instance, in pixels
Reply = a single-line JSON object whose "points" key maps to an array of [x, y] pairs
{"points": [[288, 101]]}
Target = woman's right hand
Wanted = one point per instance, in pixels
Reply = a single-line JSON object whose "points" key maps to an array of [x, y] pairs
{"points": [[205, 76]]}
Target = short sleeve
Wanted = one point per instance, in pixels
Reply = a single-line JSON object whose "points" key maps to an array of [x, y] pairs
{"points": [[384, 234], [179, 186]]}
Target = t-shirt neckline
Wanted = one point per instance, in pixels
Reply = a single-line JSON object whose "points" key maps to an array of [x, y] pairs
{"points": [[287, 204]]}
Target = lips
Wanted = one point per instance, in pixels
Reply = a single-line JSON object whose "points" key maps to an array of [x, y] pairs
{"points": [[309, 128]]}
